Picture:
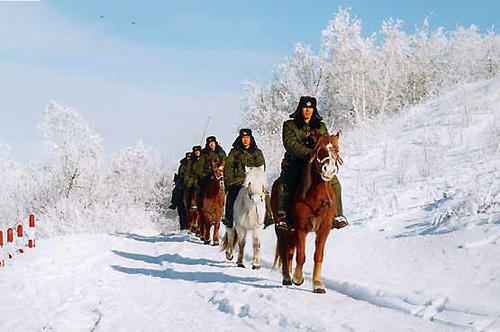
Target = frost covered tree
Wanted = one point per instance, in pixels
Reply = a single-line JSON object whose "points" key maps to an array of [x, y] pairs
{"points": [[76, 150], [357, 77], [78, 189], [133, 174], [349, 59]]}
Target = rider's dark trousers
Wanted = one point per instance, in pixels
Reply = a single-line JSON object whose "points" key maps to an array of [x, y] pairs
{"points": [[232, 193]]}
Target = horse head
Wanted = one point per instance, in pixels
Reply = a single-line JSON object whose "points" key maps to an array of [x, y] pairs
{"points": [[217, 167], [255, 182], [326, 156]]}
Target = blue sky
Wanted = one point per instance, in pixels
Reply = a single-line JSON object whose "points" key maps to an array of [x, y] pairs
{"points": [[159, 79]]}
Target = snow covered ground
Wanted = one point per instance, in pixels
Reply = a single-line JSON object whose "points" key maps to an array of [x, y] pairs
{"points": [[422, 190], [133, 282]]}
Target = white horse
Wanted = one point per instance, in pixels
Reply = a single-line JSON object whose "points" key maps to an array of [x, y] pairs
{"points": [[249, 213]]}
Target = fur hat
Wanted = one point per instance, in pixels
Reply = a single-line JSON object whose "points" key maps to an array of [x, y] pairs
{"points": [[196, 148], [307, 101], [245, 132], [211, 139]]}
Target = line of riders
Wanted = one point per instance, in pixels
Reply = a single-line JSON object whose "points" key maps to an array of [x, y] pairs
{"points": [[299, 138]]}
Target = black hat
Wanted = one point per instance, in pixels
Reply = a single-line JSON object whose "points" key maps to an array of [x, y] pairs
{"points": [[196, 148], [211, 139], [246, 132], [188, 154], [307, 101]]}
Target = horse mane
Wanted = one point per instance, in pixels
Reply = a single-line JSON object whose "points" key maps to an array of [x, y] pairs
{"points": [[255, 176], [307, 175]]}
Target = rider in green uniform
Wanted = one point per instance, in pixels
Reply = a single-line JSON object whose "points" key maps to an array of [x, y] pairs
{"points": [[244, 153], [299, 141]]}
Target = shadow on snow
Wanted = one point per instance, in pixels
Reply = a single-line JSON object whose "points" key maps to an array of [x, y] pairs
{"points": [[170, 258], [198, 277], [168, 238]]}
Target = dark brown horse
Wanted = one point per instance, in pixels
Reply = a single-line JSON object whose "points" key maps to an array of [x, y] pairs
{"points": [[313, 210], [212, 203]]}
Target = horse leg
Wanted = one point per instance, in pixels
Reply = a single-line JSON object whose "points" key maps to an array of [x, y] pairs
{"points": [[216, 233], [291, 251], [283, 250], [242, 234], [229, 245], [256, 249], [205, 229], [298, 276], [321, 236]]}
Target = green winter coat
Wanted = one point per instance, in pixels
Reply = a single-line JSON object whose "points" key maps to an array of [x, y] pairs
{"points": [[238, 158], [181, 172], [207, 157], [192, 177], [294, 139]]}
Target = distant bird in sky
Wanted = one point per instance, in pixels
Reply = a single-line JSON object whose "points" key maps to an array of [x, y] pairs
{"points": [[101, 16], [133, 22]]}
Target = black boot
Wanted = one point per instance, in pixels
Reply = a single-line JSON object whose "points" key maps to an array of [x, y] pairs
{"points": [[269, 219], [284, 221]]}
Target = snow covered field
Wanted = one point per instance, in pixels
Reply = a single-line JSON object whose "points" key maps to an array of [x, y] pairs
{"points": [[422, 190]]}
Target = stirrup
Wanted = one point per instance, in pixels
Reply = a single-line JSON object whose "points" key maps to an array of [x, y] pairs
{"points": [[282, 224], [340, 222]]}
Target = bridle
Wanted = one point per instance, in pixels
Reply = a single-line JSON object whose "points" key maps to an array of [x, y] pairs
{"points": [[329, 165], [251, 195], [218, 174]]}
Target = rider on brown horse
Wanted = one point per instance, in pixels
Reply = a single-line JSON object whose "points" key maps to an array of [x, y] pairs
{"points": [[299, 139], [244, 153], [212, 152]]}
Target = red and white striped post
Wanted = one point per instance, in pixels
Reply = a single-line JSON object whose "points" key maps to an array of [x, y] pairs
{"points": [[10, 243], [20, 239], [2, 256], [31, 231]]}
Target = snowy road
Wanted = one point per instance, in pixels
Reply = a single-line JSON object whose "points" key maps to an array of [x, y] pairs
{"points": [[132, 282]]}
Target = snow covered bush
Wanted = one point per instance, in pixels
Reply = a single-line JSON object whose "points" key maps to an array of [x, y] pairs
{"points": [[78, 189]]}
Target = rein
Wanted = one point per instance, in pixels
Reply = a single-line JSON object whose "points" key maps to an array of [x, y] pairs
{"points": [[329, 165]]}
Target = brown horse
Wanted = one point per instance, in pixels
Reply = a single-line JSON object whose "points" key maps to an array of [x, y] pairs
{"points": [[313, 210], [212, 203]]}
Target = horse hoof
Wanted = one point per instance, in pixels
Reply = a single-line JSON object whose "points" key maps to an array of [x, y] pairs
{"points": [[206, 242], [319, 291], [229, 257], [255, 267], [215, 244], [241, 265], [298, 283], [287, 282]]}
